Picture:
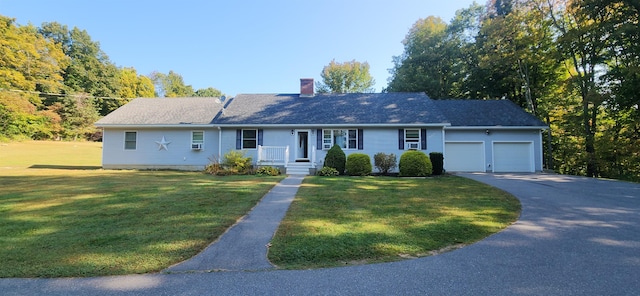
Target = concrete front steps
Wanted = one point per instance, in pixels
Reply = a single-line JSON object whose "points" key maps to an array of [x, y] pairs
{"points": [[298, 168]]}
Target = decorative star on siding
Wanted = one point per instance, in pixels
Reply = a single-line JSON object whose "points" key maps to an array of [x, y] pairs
{"points": [[163, 144]]}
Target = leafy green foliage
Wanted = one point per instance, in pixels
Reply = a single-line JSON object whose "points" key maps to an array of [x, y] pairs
{"points": [[415, 164], [437, 160], [336, 159], [347, 77], [171, 85], [358, 164], [233, 163], [267, 171], [327, 171], [385, 162]]}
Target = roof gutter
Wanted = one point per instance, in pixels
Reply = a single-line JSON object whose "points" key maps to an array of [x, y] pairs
{"points": [[484, 127]]}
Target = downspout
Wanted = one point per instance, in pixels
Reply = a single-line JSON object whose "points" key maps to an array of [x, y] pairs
{"points": [[219, 143]]}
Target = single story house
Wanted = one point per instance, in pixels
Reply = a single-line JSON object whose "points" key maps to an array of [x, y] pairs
{"points": [[294, 131]]}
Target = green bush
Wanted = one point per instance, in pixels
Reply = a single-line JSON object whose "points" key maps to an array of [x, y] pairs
{"points": [[267, 171], [327, 171], [415, 164], [237, 163], [385, 162], [336, 159], [437, 160], [358, 164], [233, 163]]}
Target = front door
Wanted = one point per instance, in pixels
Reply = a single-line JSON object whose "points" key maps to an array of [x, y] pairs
{"points": [[302, 145]]}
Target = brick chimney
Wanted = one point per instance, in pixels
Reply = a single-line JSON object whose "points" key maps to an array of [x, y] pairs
{"points": [[306, 87]]}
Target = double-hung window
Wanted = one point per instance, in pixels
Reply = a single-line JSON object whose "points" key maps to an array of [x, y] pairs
{"points": [[197, 140], [130, 140], [412, 139], [345, 138], [249, 139]]}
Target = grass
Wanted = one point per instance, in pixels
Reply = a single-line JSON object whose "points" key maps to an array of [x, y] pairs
{"points": [[60, 216], [343, 220]]}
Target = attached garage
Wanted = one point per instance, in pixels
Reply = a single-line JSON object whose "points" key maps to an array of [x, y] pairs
{"points": [[464, 156], [513, 157]]}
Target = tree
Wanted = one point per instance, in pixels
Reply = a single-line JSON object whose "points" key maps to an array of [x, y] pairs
{"points": [[347, 77], [28, 61], [208, 92], [171, 85], [90, 71]]}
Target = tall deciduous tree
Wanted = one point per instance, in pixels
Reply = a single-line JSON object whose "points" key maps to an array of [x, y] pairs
{"points": [[171, 85], [208, 92], [347, 77]]}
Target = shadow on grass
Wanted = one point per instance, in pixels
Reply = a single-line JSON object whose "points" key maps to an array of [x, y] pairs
{"points": [[65, 167]]}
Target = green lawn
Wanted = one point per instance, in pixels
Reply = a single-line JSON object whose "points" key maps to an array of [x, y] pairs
{"points": [[57, 220], [61, 216], [344, 220]]}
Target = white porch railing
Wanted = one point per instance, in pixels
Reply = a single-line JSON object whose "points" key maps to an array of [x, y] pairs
{"points": [[273, 155]]}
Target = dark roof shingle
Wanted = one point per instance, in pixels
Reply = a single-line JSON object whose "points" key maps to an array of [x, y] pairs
{"points": [[164, 111], [486, 113], [373, 108]]}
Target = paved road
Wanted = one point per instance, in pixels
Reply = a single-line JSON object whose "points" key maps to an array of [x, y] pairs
{"points": [[576, 236]]}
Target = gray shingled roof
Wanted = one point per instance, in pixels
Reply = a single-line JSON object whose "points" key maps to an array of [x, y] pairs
{"points": [[486, 113], [321, 109], [164, 111], [352, 109]]}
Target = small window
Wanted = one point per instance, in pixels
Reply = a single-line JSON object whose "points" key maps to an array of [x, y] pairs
{"points": [[249, 139], [197, 140], [412, 139], [130, 140], [346, 139]]}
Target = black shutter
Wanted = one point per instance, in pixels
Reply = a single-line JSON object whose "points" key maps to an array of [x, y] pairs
{"points": [[260, 137], [319, 139], [401, 139], [423, 138], [360, 137], [238, 139]]}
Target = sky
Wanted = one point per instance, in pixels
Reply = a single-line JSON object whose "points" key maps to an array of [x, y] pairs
{"points": [[241, 46]]}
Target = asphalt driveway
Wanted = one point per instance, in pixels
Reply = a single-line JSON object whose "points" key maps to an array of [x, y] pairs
{"points": [[576, 236]]}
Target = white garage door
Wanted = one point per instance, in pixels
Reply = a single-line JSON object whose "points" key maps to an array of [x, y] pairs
{"points": [[513, 157], [464, 157]]}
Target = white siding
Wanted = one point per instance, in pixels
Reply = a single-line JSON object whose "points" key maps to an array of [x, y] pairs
{"points": [[375, 140], [147, 154]]}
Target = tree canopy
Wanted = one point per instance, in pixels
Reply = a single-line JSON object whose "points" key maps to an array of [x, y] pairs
{"points": [[55, 82], [347, 77], [573, 63]]}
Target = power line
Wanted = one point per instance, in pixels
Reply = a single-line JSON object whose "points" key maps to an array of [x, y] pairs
{"points": [[61, 95]]}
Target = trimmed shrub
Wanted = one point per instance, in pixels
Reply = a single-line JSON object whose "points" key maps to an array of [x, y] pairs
{"points": [[336, 159], [327, 171], [415, 164], [267, 171], [358, 164], [385, 162], [437, 160], [237, 163]]}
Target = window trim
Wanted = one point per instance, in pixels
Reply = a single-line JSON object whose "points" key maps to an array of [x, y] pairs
{"points": [[412, 140], [331, 139], [193, 142], [242, 139], [135, 141]]}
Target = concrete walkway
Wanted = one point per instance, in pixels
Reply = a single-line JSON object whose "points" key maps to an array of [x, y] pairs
{"points": [[244, 246]]}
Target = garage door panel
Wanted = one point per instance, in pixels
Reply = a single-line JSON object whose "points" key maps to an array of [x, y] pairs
{"points": [[513, 157], [464, 157]]}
